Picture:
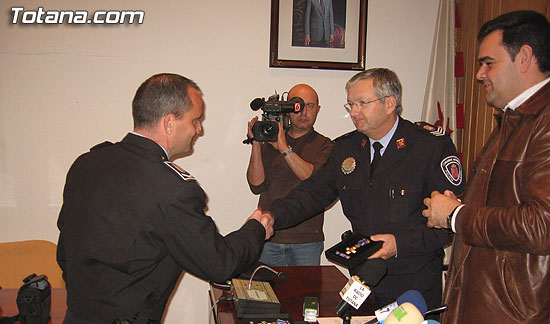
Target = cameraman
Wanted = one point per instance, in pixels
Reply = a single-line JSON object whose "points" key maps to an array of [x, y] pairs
{"points": [[276, 168]]}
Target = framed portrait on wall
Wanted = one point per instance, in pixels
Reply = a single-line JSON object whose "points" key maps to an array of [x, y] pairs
{"points": [[318, 34]]}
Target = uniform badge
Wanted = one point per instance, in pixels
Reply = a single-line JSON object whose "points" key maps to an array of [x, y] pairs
{"points": [[348, 165], [400, 143], [452, 169], [363, 142], [186, 176]]}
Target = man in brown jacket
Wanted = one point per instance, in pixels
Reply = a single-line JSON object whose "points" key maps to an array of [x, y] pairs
{"points": [[500, 265]]}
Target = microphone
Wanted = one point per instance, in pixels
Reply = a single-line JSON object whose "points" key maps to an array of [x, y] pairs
{"points": [[410, 296], [430, 322], [405, 313], [357, 290], [257, 103], [279, 274]]}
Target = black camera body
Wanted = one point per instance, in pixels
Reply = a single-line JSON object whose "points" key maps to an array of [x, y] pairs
{"points": [[274, 111]]}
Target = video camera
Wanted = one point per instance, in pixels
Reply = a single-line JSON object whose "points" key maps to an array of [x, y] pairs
{"points": [[274, 111]]}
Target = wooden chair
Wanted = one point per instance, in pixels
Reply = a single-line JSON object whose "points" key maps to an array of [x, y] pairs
{"points": [[20, 259]]}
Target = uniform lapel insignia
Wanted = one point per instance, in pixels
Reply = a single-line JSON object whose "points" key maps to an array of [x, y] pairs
{"points": [[348, 165], [400, 143], [363, 142], [181, 172]]}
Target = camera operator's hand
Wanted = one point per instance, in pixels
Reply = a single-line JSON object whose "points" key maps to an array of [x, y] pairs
{"points": [[250, 134], [281, 144]]}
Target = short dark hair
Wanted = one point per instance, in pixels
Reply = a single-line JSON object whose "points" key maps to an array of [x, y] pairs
{"points": [[385, 81], [524, 27], [159, 96]]}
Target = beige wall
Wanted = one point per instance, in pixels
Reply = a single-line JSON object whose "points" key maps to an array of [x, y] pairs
{"points": [[64, 88]]}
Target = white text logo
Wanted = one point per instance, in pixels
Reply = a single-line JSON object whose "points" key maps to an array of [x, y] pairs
{"points": [[41, 16]]}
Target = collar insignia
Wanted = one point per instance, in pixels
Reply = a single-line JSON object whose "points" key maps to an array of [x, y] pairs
{"points": [[400, 143], [348, 165]]}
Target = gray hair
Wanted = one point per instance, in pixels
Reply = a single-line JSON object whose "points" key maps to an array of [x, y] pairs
{"points": [[385, 82]]}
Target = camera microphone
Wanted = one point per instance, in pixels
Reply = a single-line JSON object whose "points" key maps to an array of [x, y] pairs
{"points": [[257, 103]]}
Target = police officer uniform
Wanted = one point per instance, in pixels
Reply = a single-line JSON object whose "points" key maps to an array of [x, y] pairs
{"points": [[417, 161], [131, 222]]}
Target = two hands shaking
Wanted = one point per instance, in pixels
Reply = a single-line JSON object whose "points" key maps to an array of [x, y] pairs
{"points": [[266, 219]]}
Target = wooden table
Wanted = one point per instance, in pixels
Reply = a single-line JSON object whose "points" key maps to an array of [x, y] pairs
{"points": [[8, 305], [323, 282]]}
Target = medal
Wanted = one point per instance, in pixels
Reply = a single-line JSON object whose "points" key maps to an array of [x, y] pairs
{"points": [[348, 165]]}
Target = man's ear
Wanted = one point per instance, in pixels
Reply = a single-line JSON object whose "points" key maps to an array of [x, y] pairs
{"points": [[525, 58], [168, 124], [390, 103]]}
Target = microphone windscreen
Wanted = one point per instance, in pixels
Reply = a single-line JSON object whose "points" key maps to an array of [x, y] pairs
{"points": [[257, 103], [414, 297], [372, 271], [406, 313]]}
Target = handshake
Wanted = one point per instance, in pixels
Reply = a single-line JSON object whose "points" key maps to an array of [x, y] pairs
{"points": [[265, 219]]}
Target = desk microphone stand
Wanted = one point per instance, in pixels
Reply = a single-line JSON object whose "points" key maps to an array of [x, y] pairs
{"points": [[346, 318]]}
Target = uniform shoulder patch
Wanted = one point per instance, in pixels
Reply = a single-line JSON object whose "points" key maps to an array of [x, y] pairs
{"points": [[341, 137], [101, 145], [429, 128], [452, 169], [186, 176]]}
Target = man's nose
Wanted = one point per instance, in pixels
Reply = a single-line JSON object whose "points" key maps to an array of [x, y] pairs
{"points": [[480, 75]]}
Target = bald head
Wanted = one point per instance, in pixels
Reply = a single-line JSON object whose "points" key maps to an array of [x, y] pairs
{"points": [[303, 88], [302, 122]]}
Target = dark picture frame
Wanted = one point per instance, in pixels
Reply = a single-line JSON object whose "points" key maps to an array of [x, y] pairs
{"points": [[346, 51]]}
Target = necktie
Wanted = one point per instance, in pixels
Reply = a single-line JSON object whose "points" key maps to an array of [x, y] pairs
{"points": [[377, 147]]}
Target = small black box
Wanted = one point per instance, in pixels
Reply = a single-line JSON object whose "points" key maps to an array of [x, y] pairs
{"points": [[353, 250]]}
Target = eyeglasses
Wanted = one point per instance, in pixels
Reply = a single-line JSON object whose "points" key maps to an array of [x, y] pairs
{"points": [[362, 104]]}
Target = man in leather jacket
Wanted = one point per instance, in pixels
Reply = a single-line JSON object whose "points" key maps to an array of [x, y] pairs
{"points": [[500, 265]]}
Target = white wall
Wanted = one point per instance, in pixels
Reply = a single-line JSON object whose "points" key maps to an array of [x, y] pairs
{"points": [[64, 88]]}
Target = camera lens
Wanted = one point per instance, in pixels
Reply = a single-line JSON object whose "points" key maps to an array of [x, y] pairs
{"points": [[267, 130]]}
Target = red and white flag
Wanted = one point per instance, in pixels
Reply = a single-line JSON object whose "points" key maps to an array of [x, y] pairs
{"points": [[440, 98]]}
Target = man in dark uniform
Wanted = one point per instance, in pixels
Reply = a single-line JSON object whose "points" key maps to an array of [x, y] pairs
{"points": [[132, 221], [384, 203]]}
